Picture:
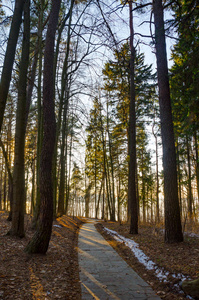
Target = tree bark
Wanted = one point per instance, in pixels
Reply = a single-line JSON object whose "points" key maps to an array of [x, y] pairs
{"points": [[9, 56], [41, 238], [99, 197], [60, 209], [190, 195], [112, 169], [10, 177], [155, 134], [191, 288], [39, 119], [64, 83], [18, 207], [87, 199], [173, 228], [132, 196], [197, 161], [179, 176]]}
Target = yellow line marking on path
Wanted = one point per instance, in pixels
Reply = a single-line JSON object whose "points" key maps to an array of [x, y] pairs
{"points": [[103, 287], [92, 294]]}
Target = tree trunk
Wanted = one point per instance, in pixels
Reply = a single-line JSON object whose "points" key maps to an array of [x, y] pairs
{"points": [[33, 187], [109, 191], [87, 199], [66, 172], [157, 215], [108, 185], [105, 167], [119, 192], [41, 238], [151, 200], [64, 83], [197, 162], [95, 180], [18, 207], [179, 177], [39, 119], [173, 228], [103, 198], [69, 172], [111, 178], [189, 196], [143, 189], [112, 175], [9, 56], [191, 288], [157, 186], [99, 196], [10, 179], [5, 191], [132, 196], [143, 199], [60, 209]]}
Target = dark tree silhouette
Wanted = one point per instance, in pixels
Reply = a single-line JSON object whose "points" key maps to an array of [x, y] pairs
{"points": [[41, 238], [9, 56], [18, 206], [132, 195], [173, 228]]}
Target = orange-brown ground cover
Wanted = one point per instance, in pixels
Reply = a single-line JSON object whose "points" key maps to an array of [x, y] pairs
{"points": [[174, 258], [51, 276], [56, 274]]}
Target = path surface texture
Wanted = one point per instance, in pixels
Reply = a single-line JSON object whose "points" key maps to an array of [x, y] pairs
{"points": [[104, 274]]}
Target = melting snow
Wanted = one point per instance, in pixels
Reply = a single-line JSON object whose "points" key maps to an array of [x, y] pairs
{"points": [[192, 234], [160, 273]]}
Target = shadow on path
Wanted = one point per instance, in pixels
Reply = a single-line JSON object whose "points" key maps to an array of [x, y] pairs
{"points": [[104, 274]]}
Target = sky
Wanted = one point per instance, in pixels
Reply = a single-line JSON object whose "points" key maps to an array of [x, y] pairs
{"points": [[118, 20]]}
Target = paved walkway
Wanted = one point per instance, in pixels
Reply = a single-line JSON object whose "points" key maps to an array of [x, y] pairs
{"points": [[104, 274]]}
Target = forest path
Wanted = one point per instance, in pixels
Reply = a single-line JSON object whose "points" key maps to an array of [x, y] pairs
{"points": [[103, 273]]}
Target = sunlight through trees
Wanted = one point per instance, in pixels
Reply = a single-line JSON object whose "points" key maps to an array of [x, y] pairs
{"points": [[90, 125]]}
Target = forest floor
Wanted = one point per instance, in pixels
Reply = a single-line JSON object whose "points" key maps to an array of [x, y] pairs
{"points": [[40, 277], [56, 274]]}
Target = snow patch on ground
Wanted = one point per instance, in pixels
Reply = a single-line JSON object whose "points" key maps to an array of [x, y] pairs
{"points": [[191, 234], [160, 273]]}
